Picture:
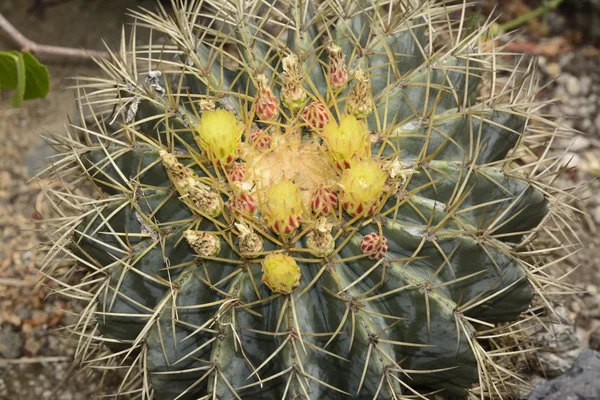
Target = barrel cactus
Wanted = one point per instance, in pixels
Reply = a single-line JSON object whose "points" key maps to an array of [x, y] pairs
{"points": [[302, 200]]}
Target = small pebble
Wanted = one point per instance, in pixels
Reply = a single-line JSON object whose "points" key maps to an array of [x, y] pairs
{"points": [[11, 343], [39, 317], [573, 85], [571, 160], [33, 346], [580, 143], [5, 180], [586, 84], [596, 215], [553, 70], [594, 341], [570, 110]]}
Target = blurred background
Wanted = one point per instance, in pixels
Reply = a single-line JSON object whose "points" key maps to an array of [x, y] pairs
{"points": [[35, 360]]}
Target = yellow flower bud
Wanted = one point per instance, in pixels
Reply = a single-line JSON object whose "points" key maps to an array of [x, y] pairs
{"points": [[362, 186], [220, 135], [280, 273], [282, 207], [348, 141]]}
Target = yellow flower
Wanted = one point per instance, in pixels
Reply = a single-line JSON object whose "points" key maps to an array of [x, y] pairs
{"points": [[280, 273], [220, 134], [348, 141], [282, 207], [362, 185]]}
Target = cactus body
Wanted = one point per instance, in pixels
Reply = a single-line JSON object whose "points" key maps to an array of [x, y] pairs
{"points": [[357, 254]]}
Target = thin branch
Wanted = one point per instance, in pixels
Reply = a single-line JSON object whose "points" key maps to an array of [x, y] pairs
{"points": [[26, 44]]}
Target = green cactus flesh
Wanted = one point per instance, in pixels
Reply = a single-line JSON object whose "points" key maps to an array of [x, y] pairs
{"points": [[210, 322]]}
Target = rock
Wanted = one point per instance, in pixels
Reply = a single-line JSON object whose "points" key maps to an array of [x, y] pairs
{"points": [[39, 317], [11, 343], [588, 110], [580, 143], [567, 123], [66, 396], [594, 340], [558, 344], [586, 84], [560, 93], [570, 160], [37, 158], [33, 346], [553, 69], [596, 215], [593, 162], [570, 110], [23, 311], [597, 122], [5, 180], [573, 85], [580, 382]]}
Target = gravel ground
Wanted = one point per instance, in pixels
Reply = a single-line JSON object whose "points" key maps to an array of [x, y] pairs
{"points": [[35, 358], [568, 46]]}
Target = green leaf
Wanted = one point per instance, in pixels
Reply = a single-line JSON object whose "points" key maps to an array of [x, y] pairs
{"points": [[12, 75], [24, 74], [37, 78]]}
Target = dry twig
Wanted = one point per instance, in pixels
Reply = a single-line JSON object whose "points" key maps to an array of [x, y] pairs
{"points": [[26, 44]]}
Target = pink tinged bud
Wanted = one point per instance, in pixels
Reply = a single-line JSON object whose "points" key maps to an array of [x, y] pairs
{"points": [[287, 225], [315, 115], [342, 165], [282, 207], [220, 134], [355, 209], [338, 73], [260, 139], [266, 106], [362, 186], [241, 204], [374, 245], [324, 200], [228, 159], [236, 172], [347, 142]]}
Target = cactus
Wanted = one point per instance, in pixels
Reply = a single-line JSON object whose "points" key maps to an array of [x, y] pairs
{"points": [[303, 200]]}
